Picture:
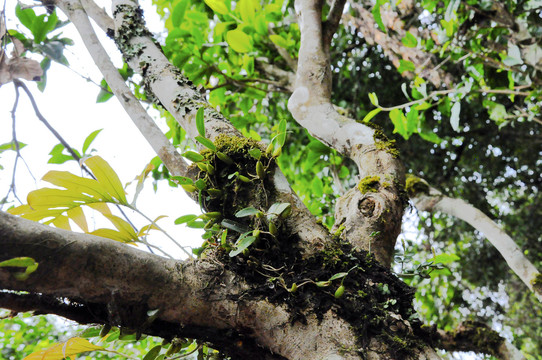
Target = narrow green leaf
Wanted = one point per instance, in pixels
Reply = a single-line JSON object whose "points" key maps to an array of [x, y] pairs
{"points": [[244, 242], [248, 211], [371, 114], [338, 276], [185, 218], [373, 98], [107, 177], [90, 139], [200, 121], [206, 142], [182, 180], [193, 156], [377, 16], [153, 353]]}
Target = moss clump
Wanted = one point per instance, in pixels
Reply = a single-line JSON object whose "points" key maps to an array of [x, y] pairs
{"points": [[537, 283], [414, 185], [369, 184]]}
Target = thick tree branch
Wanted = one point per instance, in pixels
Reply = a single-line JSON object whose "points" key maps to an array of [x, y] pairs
{"points": [[161, 145], [103, 281], [368, 217], [427, 198], [333, 19]]}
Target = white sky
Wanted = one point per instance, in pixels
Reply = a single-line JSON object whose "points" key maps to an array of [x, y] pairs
{"points": [[69, 104]]}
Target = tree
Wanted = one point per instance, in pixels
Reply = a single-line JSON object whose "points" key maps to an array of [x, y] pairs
{"points": [[280, 274]]}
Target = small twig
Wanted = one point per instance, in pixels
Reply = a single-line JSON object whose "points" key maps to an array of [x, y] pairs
{"points": [[333, 19]]}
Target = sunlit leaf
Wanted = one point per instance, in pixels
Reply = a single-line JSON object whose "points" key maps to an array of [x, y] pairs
{"points": [[200, 122], [239, 41], [90, 139], [106, 176], [218, 6], [71, 347]]}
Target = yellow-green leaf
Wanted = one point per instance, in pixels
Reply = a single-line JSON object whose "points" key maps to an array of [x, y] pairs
{"points": [[113, 235], [77, 215], [61, 222], [279, 41], [101, 207], [239, 41], [123, 226], [107, 177], [71, 347], [48, 198], [218, 6], [78, 184]]}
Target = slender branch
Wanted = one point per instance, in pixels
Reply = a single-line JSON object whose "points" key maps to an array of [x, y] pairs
{"points": [[161, 145], [427, 198], [333, 19], [77, 158]]}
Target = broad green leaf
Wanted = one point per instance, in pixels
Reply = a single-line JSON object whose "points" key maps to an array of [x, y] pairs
{"points": [[371, 114], [377, 16], [280, 209], [193, 156], [406, 65], [71, 347], [317, 187], [409, 40], [200, 121], [218, 6], [177, 16], [412, 121], [454, 118], [279, 41], [107, 177], [255, 153], [206, 142], [58, 156], [90, 139], [153, 353], [445, 258], [239, 41], [400, 122], [247, 8], [248, 211], [26, 16]]}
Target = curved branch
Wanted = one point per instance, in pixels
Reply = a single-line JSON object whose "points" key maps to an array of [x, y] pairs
{"points": [[368, 217], [427, 198]]}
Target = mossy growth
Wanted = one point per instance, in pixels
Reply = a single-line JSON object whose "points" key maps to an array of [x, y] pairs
{"points": [[382, 142], [414, 185], [537, 283], [482, 338], [369, 184]]}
